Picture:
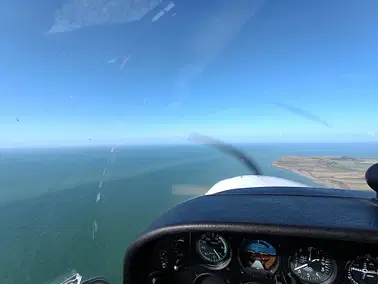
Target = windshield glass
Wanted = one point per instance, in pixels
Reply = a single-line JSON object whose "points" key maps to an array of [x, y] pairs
{"points": [[98, 97]]}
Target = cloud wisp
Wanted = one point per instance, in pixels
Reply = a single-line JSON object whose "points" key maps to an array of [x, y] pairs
{"points": [[111, 61]]}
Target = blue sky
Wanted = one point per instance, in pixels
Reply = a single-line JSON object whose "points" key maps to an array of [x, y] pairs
{"points": [[239, 70]]}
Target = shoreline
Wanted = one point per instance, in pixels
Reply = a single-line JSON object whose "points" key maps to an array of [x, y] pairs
{"points": [[308, 175], [341, 172]]}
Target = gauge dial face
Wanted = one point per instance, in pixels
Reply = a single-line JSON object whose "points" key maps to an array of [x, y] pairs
{"points": [[258, 256], [312, 265], [363, 270], [213, 248]]}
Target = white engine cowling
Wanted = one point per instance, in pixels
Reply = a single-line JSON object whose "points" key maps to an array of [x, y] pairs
{"points": [[248, 181]]}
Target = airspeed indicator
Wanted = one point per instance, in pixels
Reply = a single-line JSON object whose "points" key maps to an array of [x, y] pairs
{"points": [[312, 265], [213, 249]]}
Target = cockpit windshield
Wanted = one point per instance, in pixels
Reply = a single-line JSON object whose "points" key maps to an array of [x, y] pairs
{"points": [[98, 98]]}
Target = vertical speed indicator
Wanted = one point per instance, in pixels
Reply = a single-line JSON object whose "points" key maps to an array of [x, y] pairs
{"points": [[363, 270]]}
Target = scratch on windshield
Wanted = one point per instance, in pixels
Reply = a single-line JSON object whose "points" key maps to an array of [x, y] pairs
{"points": [[78, 14]]}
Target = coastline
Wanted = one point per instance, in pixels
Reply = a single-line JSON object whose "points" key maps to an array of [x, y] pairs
{"points": [[308, 175], [342, 172]]}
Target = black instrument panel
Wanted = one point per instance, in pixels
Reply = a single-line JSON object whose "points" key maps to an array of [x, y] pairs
{"points": [[238, 258]]}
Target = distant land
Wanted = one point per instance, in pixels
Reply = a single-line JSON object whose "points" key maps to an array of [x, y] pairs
{"points": [[331, 171]]}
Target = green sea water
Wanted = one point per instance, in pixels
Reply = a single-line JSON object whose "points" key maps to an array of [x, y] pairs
{"points": [[48, 200]]}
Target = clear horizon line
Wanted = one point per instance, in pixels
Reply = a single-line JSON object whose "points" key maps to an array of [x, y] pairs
{"points": [[114, 145]]}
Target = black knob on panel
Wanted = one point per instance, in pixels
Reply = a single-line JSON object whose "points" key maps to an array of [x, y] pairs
{"points": [[156, 280], [208, 278], [371, 177]]}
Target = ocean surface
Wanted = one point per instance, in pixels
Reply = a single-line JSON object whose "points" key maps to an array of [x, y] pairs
{"points": [[49, 200]]}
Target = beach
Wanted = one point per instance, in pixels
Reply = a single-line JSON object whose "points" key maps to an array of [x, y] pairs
{"points": [[331, 171]]}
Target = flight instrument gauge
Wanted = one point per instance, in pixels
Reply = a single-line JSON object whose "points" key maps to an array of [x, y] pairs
{"points": [[363, 270], [214, 250], [258, 257], [312, 265]]}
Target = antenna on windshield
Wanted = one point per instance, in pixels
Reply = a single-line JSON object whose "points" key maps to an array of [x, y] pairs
{"points": [[225, 148]]}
